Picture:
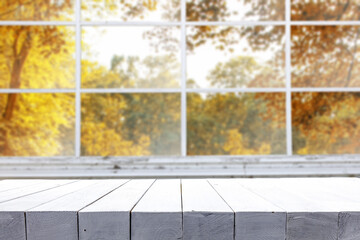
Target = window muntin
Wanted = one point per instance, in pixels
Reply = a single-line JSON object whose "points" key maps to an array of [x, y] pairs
{"points": [[283, 87]]}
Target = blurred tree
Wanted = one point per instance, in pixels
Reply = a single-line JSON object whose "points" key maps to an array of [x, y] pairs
{"points": [[148, 124], [313, 10], [316, 51], [21, 48], [326, 123], [221, 124]]}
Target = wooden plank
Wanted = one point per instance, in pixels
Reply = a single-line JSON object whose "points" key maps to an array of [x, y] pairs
{"points": [[338, 194], [349, 226], [205, 214], [255, 217], [57, 220], [6, 185], [313, 208], [158, 215], [349, 221], [306, 219], [109, 217], [12, 213], [42, 186]]}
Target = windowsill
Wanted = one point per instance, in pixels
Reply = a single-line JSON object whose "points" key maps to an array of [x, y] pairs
{"points": [[205, 166]]}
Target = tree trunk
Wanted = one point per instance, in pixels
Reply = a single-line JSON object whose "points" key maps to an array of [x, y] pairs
{"points": [[15, 82]]}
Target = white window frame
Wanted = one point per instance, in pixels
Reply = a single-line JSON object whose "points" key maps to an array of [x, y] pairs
{"points": [[182, 166]]}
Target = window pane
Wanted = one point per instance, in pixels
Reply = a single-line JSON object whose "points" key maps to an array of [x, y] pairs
{"points": [[37, 57], [321, 10], [131, 10], [235, 10], [131, 57], [236, 124], [235, 57], [325, 56], [37, 124], [326, 123], [37, 10], [130, 124]]}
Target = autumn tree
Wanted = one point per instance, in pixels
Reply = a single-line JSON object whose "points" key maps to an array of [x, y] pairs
{"points": [[316, 51], [21, 48], [326, 123], [221, 124], [314, 10]]}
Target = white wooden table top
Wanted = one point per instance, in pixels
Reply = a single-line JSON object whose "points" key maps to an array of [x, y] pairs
{"points": [[241, 209]]}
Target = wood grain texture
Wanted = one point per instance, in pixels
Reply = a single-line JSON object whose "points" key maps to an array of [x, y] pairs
{"points": [[12, 221], [241, 209], [6, 185], [308, 217], [255, 217], [205, 214], [109, 217], [260, 226], [349, 226], [12, 226], [158, 215], [42, 186], [312, 226], [57, 220]]}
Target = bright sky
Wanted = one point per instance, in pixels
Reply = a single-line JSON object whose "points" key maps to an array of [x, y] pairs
{"points": [[105, 42]]}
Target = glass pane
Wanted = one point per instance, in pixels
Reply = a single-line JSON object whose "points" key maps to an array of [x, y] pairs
{"points": [[235, 10], [235, 57], [131, 57], [313, 10], [236, 124], [326, 123], [130, 10], [130, 124], [37, 10], [37, 124], [37, 57], [325, 56]]}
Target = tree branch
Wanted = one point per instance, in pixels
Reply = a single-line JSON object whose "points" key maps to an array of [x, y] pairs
{"points": [[353, 59]]}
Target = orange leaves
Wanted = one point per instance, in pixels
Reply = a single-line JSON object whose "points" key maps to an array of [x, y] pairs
{"points": [[315, 55], [328, 122], [324, 10]]}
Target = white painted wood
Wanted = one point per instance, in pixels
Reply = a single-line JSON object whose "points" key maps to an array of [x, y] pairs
{"points": [[42, 186], [340, 195], [194, 166], [255, 217], [109, 217], [306, 219], [206, 215], [349, 226], [12, 220], [7, 185], [57, 220], [333, 196], [158, 215], [313, 206]]}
